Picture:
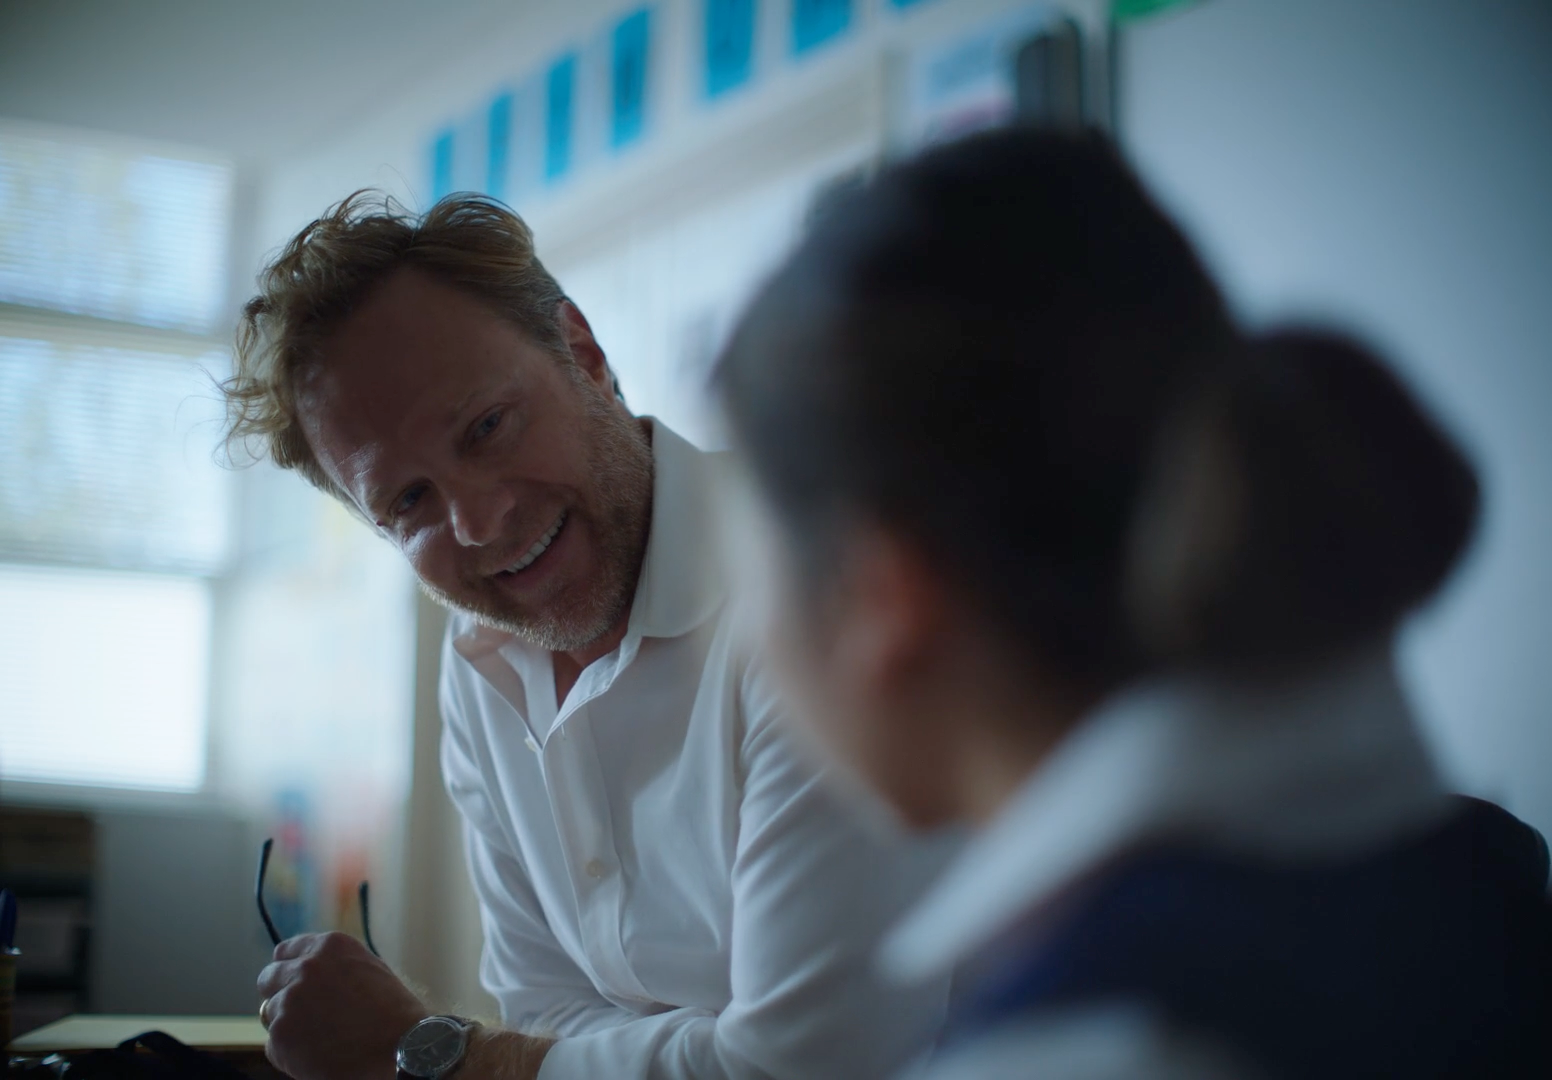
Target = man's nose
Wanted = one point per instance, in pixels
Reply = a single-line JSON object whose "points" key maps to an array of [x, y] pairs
{"points": [[478, 512]]}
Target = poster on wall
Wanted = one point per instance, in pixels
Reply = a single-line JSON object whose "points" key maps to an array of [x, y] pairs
{"points": [[613, 90], [630, 68], [728, 40], [816, 22], [967, 82], [498, 144], [441, 172], [585, 104], [560, 83], [515, 142], [458, 156]]}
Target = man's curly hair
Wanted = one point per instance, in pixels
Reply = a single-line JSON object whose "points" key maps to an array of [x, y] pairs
{"points": [[468, 241]]}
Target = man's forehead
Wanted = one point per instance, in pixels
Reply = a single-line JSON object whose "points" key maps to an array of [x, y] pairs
{"points": [[355, 472], [416, 340], [347, 456], [411, 302]]}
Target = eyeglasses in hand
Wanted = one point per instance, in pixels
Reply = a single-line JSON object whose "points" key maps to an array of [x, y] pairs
{"points": [[269, 924]]}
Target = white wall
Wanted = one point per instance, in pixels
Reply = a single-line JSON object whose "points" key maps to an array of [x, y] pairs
{"points": [[1388, 164]]}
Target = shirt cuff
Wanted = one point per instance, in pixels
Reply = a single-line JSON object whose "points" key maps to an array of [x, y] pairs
{"points": [[676, 1045]]}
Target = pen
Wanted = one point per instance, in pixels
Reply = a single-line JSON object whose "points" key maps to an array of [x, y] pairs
{"points": [[7, 918]]}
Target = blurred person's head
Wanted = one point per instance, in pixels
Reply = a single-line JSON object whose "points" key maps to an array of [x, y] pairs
{"points": [[1018, 454], [429, 373]]}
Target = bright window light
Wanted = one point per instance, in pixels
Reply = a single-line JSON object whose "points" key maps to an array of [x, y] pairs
{"points": [[104, 678], [113, 231]]}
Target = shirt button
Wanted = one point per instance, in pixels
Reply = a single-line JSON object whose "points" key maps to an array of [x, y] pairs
{"points": [[529, 742], [594, 868]]}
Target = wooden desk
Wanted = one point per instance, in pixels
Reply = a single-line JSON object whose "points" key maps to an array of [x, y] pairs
{"points": [[230, 1036]]}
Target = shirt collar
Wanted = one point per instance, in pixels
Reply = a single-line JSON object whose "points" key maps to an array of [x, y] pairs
{"points": [[1327, 764], [680, 585]]}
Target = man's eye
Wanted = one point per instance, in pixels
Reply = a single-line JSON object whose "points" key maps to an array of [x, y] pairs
{"points": [[487, 425], [407, 501]]}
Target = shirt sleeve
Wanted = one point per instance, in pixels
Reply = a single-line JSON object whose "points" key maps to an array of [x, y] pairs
{"points": [[814, 889], [539, 987]]}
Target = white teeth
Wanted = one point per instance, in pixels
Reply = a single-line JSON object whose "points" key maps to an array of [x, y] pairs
{"points": [[538, 549]]}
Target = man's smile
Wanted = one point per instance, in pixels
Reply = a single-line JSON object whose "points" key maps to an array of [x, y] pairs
{"points": [[538, 548]]}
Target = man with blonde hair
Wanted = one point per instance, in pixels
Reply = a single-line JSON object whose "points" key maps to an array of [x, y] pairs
{"points": [[667, 888]]}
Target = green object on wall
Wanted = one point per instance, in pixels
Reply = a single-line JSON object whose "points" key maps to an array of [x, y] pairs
{"points": [[1121, 10]]}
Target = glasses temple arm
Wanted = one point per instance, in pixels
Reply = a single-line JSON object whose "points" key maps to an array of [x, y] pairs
{"points": [[258, 892], [366, 922]]}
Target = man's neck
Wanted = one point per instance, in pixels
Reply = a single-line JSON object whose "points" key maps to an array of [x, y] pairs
{"points": [[568, 666]]}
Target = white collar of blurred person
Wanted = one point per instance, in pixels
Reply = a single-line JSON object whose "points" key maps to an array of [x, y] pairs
{"points": [[1327, 765], [681, 584]]}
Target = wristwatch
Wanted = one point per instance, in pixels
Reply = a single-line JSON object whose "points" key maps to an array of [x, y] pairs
{"points": [[433, 1048]]}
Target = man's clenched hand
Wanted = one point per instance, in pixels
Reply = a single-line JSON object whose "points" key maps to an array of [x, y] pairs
{"points": [[334, 1011]]}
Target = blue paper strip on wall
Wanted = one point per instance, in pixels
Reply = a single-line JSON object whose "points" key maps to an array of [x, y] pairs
{"points": [[730, 26], [442, 164], [560, 92], [631, 54], [815, 22], [498, 146]]}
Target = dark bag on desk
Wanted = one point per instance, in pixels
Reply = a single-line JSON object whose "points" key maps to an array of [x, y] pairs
{"points": [[153, 1055]]}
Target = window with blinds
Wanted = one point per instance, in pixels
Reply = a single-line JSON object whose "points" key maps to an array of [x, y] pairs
{"points": [[106, 455], [102, 230], [115, 516]]}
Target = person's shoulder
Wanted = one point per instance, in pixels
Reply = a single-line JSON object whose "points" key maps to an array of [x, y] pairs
{"points": [[746, 669]]}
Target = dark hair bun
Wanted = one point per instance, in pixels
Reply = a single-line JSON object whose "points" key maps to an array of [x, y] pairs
{"points": [[1301, 502]]}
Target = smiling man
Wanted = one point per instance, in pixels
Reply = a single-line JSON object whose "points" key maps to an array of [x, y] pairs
{"points": [[667, 888]]}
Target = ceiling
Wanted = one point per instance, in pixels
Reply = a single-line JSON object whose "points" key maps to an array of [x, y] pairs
{"points": [[257, 80]]}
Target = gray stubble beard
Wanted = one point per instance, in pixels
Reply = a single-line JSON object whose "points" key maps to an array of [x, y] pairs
{"points": [[620, 461]]}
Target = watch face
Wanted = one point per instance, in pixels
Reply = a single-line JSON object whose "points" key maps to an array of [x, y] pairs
{"points": [[432, 1046]]}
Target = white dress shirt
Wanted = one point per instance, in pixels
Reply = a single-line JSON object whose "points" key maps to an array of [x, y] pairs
{"points": [[665, 883], [1330, 764]]}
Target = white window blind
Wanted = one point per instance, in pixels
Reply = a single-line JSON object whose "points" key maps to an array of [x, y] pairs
{"points": [[107, 456], [114, 514], [116, 233]]}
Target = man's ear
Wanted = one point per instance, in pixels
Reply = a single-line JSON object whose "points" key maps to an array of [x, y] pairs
{"points": [[890, 613], [585, 349]]}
